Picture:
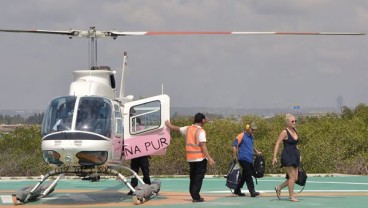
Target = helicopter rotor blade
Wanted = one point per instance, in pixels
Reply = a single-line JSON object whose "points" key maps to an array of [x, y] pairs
{"points": [[93, 33], [116, 33], [56, 32]]}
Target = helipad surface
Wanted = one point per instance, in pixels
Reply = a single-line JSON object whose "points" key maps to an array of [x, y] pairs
{"points": [[324, 192]]}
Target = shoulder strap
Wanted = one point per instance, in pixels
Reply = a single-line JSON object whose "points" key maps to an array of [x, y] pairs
{"points": [[301, 190]]}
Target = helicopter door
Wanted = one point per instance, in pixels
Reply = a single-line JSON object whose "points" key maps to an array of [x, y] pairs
{"points": [[145, 132]]}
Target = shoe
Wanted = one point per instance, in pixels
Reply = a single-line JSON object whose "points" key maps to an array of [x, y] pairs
{"points": [[130, 192], [293, 199], [198, 200], [239, 193], [254, 194], [278, 192]]}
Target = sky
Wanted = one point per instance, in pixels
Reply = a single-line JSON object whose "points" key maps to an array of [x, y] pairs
{"points": [[239, 71]]}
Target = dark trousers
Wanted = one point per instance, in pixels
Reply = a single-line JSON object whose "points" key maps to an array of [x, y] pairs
{"points": [[143, 164], [247, 174], [197, 172]]}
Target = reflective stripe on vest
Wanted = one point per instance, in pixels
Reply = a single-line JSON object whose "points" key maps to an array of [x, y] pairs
{"points": [[193, 150]]}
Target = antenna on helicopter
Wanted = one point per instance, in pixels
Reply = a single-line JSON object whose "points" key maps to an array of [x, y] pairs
{"points": [[122, 88]]}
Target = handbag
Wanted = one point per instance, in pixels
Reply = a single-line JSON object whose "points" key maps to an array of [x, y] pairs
{"points": [[302, 177]]}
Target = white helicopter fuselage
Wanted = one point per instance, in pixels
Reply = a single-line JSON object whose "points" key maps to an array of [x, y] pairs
{"points": [[89, 126]]}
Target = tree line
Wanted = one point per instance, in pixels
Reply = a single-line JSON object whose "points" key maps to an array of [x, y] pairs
{"points": [[35, 119], [330, 143]]}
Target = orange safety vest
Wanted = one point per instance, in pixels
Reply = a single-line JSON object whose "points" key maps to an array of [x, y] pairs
{"points": [[193, 150]]}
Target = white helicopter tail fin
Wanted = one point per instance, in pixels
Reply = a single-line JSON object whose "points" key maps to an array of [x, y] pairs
{"points": [[122, 87]]}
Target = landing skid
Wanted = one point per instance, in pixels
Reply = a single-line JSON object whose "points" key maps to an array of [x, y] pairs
{"points": [[146, 192], [140, 194], [138, 201]]}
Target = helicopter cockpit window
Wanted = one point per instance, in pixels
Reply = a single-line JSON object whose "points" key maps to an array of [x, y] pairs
{"points": [[145, 117], [59, 115], [94, 115]]}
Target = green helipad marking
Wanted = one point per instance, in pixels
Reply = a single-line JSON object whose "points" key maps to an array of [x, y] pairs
{"points": [[337, 192]]}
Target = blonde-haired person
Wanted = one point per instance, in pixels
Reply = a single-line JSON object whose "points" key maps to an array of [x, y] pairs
{"points": [[290, 156]]}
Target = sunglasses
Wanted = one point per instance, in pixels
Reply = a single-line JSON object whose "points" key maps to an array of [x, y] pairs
{"points": [[293, 121]]}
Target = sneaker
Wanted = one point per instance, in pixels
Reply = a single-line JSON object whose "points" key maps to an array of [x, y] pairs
{"points": [[198, 200], [130, 192], [254, 194]]}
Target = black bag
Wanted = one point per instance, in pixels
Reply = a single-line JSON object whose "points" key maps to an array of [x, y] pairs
{"points": [[302, 177], [259, 165], [234, 175]]}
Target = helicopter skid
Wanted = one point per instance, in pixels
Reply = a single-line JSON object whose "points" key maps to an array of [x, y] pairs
{"points": [[146, 192], [141, 193], [31, 193], [138, 201]]}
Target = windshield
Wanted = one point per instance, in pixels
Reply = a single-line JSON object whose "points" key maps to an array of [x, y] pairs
{"points": [[59, 115], [94, 115]]}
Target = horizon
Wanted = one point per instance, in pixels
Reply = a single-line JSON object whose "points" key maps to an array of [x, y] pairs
{"points": [[223, 111]]}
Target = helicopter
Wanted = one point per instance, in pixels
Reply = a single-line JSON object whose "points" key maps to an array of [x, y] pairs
{"points": [[91, 130]]}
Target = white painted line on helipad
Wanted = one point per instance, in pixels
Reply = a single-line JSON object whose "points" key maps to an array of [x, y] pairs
{"points": [[6, 199]]}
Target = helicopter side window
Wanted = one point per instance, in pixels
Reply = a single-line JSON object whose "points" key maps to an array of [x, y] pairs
{"points": [[145, 117], [119, 120], [94, 115], [103, 124], [59, 114]]}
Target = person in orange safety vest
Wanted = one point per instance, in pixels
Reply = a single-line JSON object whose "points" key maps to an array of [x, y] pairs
{"points": [[196, 153]]}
